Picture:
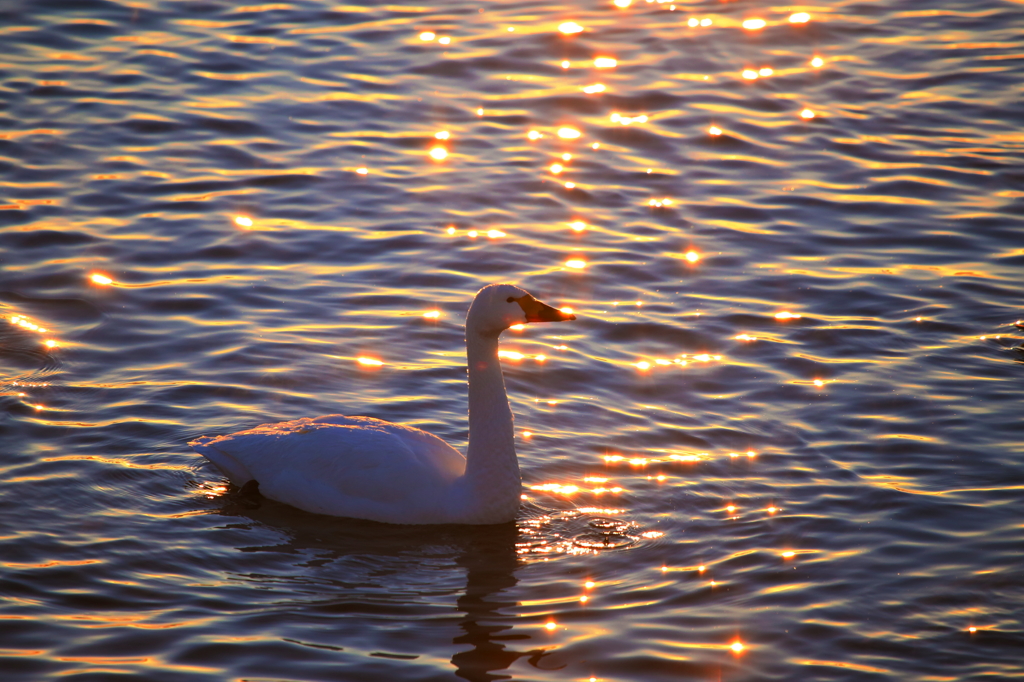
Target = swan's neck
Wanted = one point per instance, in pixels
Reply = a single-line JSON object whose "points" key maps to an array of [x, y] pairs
{"points": [[492, 476]]}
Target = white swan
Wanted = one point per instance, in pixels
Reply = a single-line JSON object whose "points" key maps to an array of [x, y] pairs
{"points": [[372, 469]]}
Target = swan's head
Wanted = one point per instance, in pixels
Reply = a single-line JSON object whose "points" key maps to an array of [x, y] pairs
{"points": [[499, 306]]}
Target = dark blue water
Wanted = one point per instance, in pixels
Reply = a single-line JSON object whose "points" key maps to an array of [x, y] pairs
{"points": [[211, 211]]}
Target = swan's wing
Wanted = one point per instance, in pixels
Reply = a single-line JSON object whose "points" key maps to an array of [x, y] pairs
{"points": [[345, 466]]}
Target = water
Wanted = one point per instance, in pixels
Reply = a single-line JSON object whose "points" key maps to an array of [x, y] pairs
{"points": [[877, 519]]}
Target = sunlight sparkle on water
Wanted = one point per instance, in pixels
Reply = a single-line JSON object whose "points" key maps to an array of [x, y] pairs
{"points": [[445, 40], [442, 135], [438, 153], [786, 315], [749, 74], [692, 256], [426, 36], [799, 18], [578, 225], [622, 3], [510, 354], [754, 24], [566, 64], [550, 626], [570, 185], [98, 278], [705, 22], [766, 71], [570, 27], [556, 168], [596, 87], [807, 114], [605, 63], [243, 221], [362, 171], [369, 362], [496, 234], [432, 314], [714, 131], [817, 61], [568, 133], [534, 135], [576, 264], [737, 647]]}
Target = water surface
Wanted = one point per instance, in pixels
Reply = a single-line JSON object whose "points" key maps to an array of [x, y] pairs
{"points": [[212, 211]]}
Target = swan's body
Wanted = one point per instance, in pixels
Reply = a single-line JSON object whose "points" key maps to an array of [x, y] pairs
{"points": [[372, 469]]}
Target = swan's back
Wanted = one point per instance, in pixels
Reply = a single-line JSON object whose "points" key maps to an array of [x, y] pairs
{"points": [[343, 466]]}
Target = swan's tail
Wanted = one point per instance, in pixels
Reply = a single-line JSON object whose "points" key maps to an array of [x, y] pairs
{"points": [[230, 466]]}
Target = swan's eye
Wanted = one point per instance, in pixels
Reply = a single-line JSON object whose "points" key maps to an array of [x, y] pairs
{"points": [[510, 299]]}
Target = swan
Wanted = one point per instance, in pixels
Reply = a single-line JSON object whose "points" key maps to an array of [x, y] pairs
{"points": [[368, 468]]}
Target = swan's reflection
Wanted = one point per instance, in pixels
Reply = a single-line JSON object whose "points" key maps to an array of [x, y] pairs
{"points": [[381, 559]]}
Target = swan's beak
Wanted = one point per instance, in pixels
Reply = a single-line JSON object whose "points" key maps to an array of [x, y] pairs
{"points": [[542, 312]]}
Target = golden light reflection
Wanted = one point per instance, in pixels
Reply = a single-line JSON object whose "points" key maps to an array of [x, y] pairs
{"points": [[807, 114], [570, 185], [362, 171], [510, 354], [701, 568], [50, 343], [714, 131], [749, 74], [556, 168], [589, 584], [432, 314], [101, 279], [556, 488], [534, 135], [518, 327], [693, 23], [754, 24], [527, 434], [643, 365], [622, 3], [442, 135], [576, 264], [570, 27], [692, 256], [243, 221], [480, 111], [745, 337], [605, 63], [584, 598], [596, 145], [568, 133], [24, 323], [450, 230], [438, 153], [705, 22], [565, 64], [972, 629], [444, 41], [550, 625], [627, 120], [786, 315], [819, 383], [817, 62], [799, 18], [595, 88], [426, 36], [578, 225], [369, 362], [472, 234], [737, 647], [496, 234], [766, 71]]}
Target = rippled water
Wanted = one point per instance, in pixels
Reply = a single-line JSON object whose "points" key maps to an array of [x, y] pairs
{"points": [[868, 530]]}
